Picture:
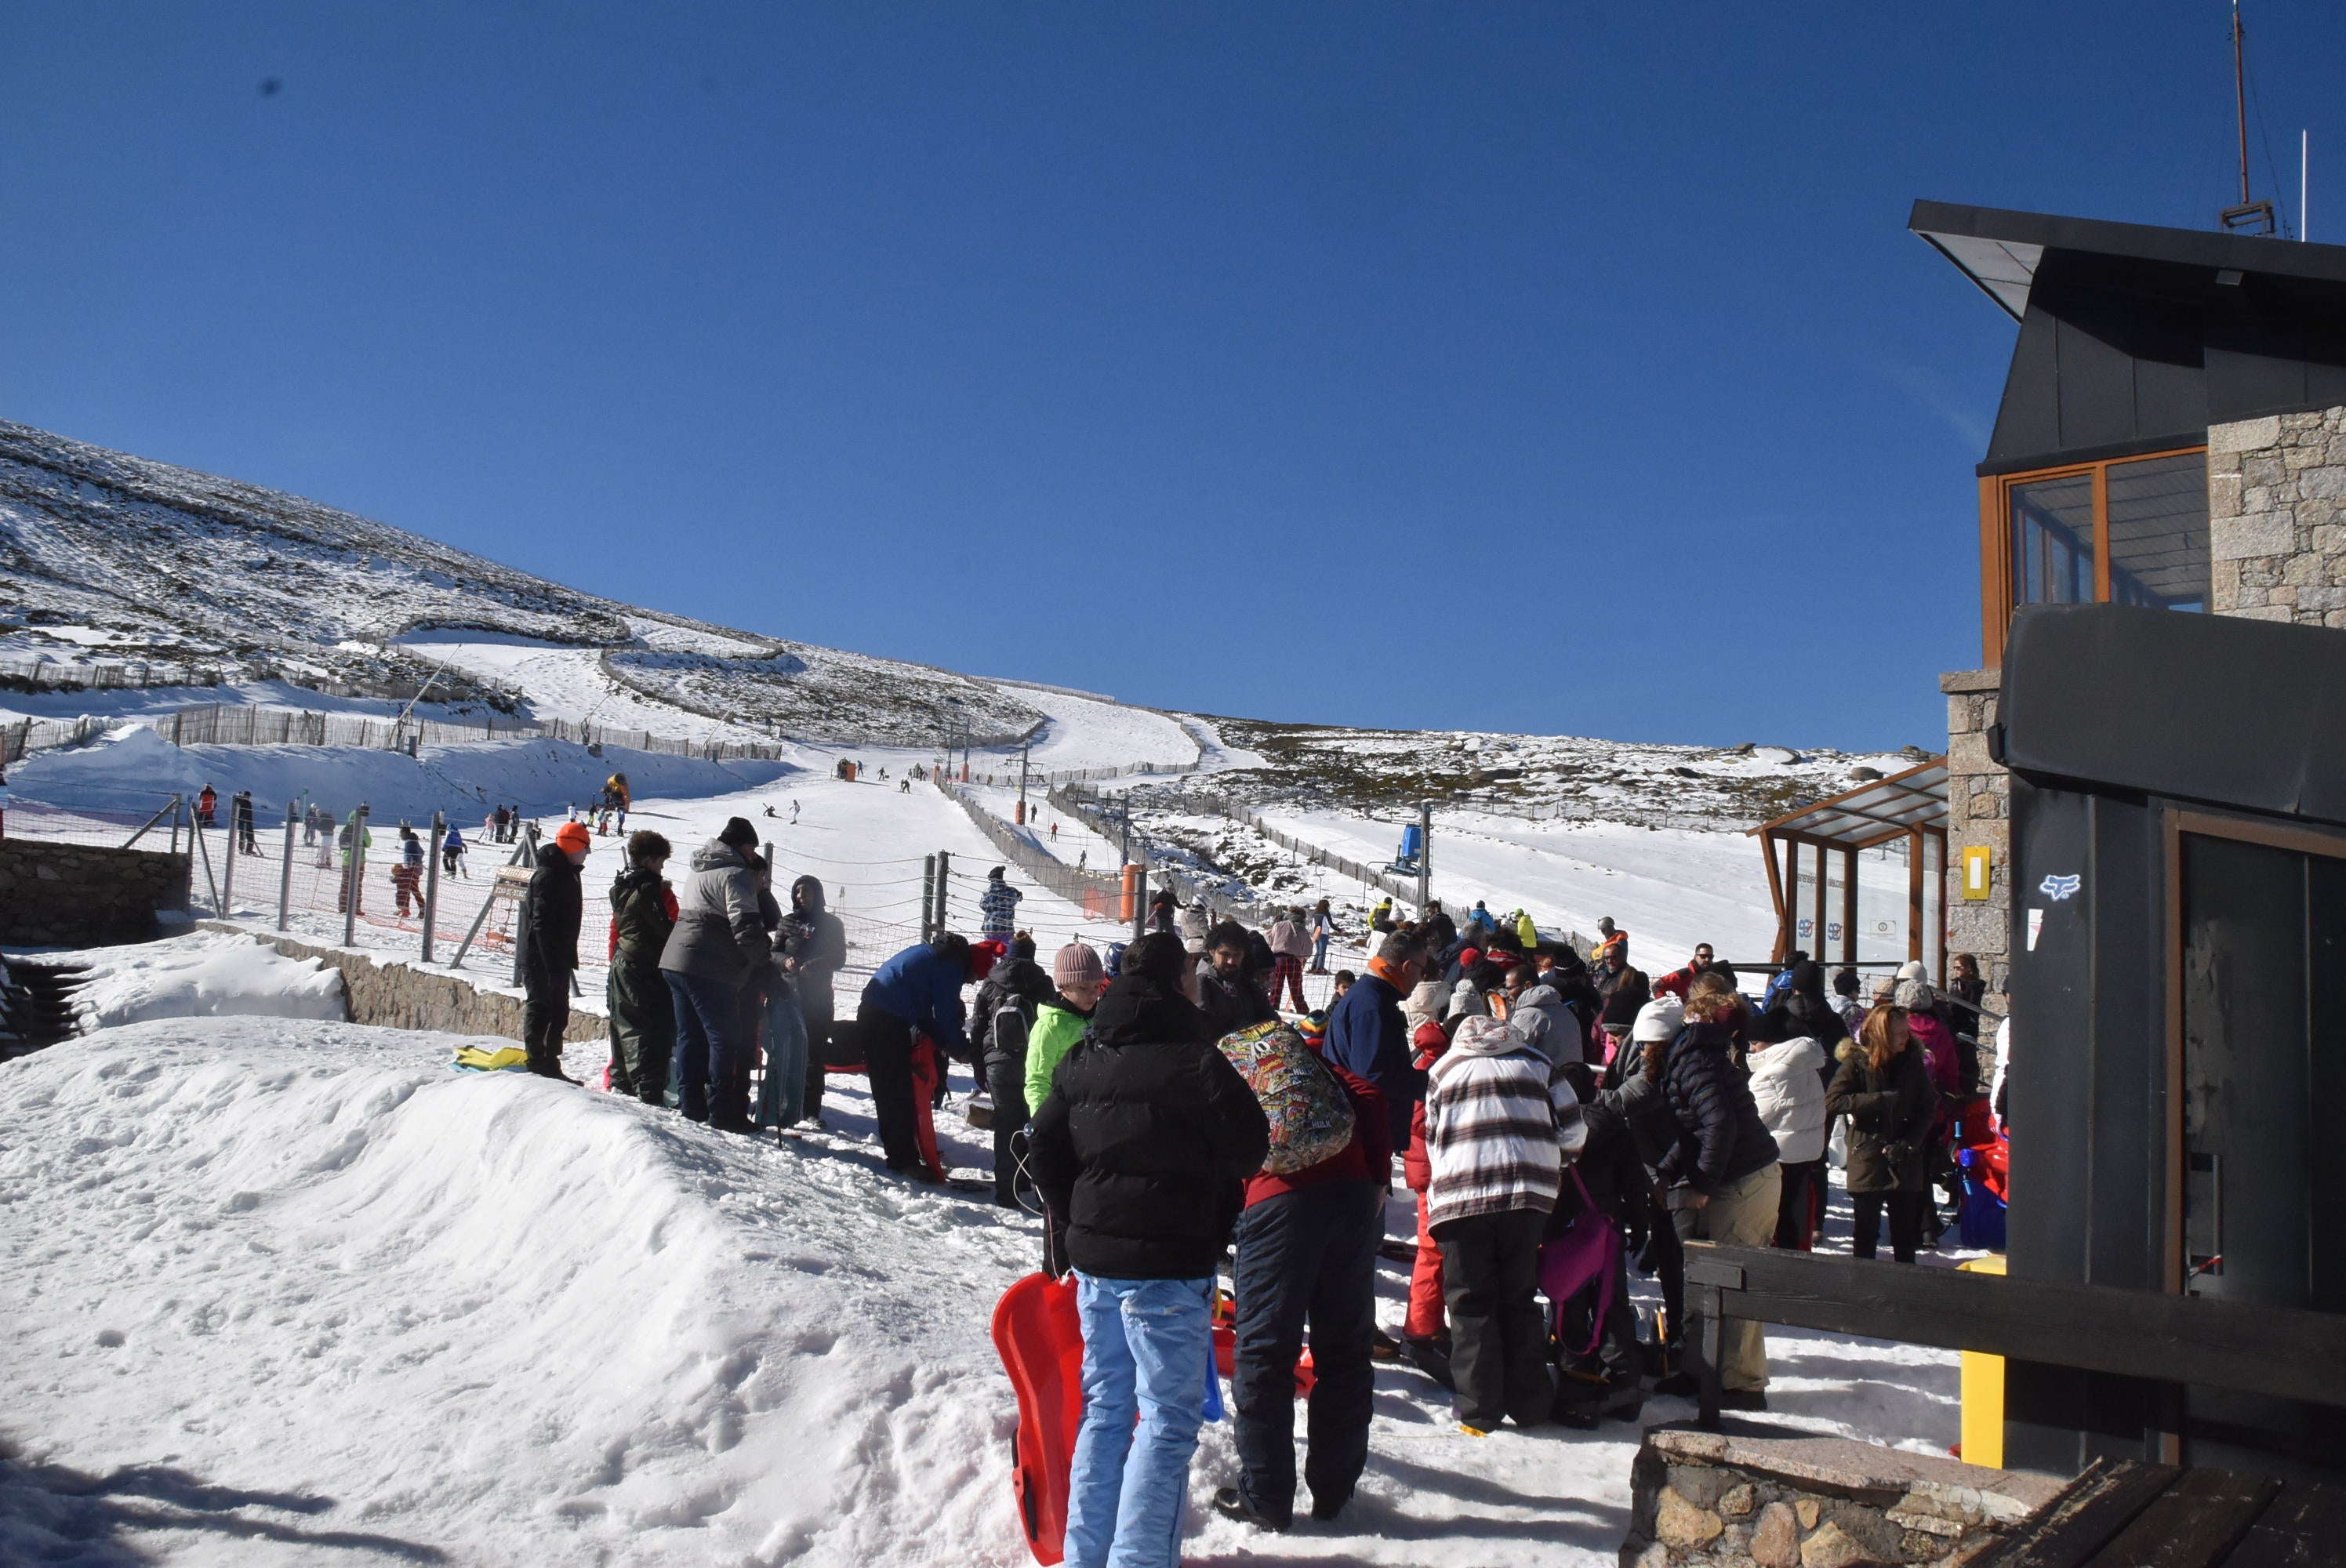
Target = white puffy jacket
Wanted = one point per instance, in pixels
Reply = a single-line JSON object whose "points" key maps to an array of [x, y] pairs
{"points": [[1788, 1086]]}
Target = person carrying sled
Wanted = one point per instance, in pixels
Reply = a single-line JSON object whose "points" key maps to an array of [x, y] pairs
{"points": [[719, 945], [910, 1023], [1307, 1252], [815, 945], [641, 1008], [1143, 1143], [1499, 1130], [997, 908], [546, 941]]}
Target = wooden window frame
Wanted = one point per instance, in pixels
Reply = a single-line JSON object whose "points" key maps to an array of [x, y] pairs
{"points": [[1996, 604]]}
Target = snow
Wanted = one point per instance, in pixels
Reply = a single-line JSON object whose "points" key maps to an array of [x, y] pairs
{"points": [[136, 769], [202, 975], [1086, 732], [304, 1286]]}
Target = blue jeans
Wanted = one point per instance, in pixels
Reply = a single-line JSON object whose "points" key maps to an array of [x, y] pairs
{"points": [[708, 1041], [1147, 1346], [1319, 954]]}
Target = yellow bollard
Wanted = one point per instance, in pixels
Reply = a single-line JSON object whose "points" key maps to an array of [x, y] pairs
{"points": [[1983, 1385]]}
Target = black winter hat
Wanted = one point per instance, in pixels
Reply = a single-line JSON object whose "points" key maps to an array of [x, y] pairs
{"points": [[739, 833]]}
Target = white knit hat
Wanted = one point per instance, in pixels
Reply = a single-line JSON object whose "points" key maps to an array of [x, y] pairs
{"points": [[1660, 1019]]}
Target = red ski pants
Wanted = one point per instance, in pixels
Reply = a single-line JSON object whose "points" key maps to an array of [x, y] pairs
{"points": [[1426, 1317]]}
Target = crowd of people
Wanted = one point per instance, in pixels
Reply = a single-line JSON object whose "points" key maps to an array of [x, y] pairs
{"points": [[1558, 1117]]}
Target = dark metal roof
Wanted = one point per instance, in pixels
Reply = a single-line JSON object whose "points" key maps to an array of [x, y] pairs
{"points": [[1999, 249], [1874, 812]]}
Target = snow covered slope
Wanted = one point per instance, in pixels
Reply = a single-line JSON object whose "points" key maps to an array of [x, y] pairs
{"points": [[100, 550]]}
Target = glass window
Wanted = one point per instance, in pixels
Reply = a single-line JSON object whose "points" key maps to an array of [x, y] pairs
{"points": [[2053, 541], [2158, 532]]}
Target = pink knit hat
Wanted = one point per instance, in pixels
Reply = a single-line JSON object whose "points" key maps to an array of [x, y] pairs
{"points": [[1076, 965]]}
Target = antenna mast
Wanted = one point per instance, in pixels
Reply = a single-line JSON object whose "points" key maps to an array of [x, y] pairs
{"points": [[2250, 217]]}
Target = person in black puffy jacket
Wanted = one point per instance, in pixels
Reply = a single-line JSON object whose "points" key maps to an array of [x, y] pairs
{"points": [[1724, 1162], [546, 941], [1144, 1144]]}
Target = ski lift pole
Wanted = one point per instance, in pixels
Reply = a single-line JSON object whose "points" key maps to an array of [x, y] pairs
{"points": [[1140, 895], [285, 874], [432, 879]]}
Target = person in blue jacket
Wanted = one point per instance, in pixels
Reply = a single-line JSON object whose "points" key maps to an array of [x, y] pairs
{"points": [[918, 992], [1368, 1037]]}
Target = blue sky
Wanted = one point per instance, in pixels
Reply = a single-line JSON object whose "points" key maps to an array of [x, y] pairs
{"points": [[1550, 367]]}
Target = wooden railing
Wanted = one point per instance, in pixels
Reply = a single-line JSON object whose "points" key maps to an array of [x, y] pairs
{"points": [[2285, 1352]]}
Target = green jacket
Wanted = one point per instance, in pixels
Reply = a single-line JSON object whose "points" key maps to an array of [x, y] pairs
{"points": [[1057, 1028]]}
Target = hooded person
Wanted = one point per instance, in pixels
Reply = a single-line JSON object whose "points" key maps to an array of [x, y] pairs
{"points": [[719, 945], [911, 1011], [1193, 923], [546, 942], [1634, 1095], [1499, 1130], [1536, 1012], [814, 945], [1009, 1001], [1809, 1011], [1425, 1330], [635, 999], [1144, 1144]]}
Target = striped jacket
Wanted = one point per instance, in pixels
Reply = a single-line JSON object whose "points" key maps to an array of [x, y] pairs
{"points": [[1499, 1133]]}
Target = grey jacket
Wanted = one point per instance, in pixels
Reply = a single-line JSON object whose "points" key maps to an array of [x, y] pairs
{"points": [[1541, 1018], [719, 932]]}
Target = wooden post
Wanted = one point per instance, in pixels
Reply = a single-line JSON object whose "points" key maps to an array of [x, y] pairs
{"points": [[285, 873], [1817, 939], [945, 890], [1849, 906], [929, 898], [1776, 896], [1914, 894]]}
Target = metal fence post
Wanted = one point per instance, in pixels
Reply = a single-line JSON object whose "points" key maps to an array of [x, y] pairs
{"points": [[285, 874], [228, 866], [354, 875], [529, 844], [432, 879], [205, 850]]}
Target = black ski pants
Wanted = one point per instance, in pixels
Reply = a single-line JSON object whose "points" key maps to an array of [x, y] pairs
{"points": [[1498, 1345], [1005, 1081], [545, 1018], [1309, 1255], [1905, 1210], [887, 1043]]}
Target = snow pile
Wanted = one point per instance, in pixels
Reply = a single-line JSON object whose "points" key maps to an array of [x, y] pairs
{"points": [[204, 974], [355, 1294]]}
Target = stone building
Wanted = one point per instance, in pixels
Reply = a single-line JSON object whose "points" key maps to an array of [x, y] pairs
{"points": [[2172, 433]]}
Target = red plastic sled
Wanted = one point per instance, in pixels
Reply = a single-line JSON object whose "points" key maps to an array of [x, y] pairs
{"points": [[1225, 1347], [1040, 1339]]}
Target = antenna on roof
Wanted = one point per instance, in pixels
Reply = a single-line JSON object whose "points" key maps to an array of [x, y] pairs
{"points": [[2250, 217]]}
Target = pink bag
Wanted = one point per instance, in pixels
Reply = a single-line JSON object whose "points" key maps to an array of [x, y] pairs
{"points": [[1589, 1248]]}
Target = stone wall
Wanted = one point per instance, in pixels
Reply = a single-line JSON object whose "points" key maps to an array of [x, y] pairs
{"points": [[1978, 814], [2277, 518], [1753, 1494], [401, 996], [80, 895]]}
